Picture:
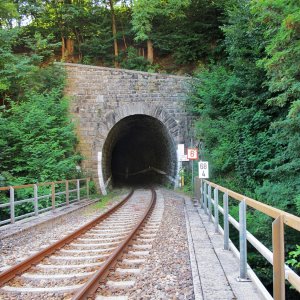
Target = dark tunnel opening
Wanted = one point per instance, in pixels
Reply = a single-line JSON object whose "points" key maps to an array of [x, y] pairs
{"points": [[139, 151]]}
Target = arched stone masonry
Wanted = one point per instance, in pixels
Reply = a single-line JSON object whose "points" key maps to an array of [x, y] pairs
{"points": [[103, 97]]}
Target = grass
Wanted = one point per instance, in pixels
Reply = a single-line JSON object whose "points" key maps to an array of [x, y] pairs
{"points": [[110, 197]]}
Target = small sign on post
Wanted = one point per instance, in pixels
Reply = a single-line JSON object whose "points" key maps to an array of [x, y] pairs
{"points": [[180, 153], [203, 169], [183, 158], [192, 153]]}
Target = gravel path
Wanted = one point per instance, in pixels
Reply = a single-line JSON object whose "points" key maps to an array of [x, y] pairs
{"points": [[14, 250], [167, 272]]}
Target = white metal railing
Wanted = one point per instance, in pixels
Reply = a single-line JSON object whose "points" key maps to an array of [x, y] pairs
{"points": [[70, 195], [281, 271]]}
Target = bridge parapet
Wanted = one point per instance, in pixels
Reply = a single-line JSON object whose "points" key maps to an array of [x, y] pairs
{"points": [[211, 207]]}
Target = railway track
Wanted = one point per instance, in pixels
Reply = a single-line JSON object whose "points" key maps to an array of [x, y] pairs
{"points": [[98, 260]]}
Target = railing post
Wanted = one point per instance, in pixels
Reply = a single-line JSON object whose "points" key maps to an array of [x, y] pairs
{"points": [[78, 189], [35, 196], [67, 193], [53, 195], [243, 240], [278, 259], [12, 204], [226, 223], [201, 193], [216, 207], [88, 188], [209, 202], [205, 197]]}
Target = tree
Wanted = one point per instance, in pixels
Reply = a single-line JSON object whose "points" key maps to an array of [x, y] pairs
{"points": [[143, 14], [37, 141], [8, 11], [114, 31]]}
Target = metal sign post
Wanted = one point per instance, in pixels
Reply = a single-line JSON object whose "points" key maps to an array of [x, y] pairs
{"points": [[192, 154]]}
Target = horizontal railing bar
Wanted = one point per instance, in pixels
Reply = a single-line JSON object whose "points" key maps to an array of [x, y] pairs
{"points": [[5, 188], [24, 200], [60, 193], [43, 183], [4, 221], [45, 209], [73, 200], [288, 219], [60, 204], [290, 275], [293, 278], [44, 196], [73, 180], [24, 216], [23, 186], [4, 205]]}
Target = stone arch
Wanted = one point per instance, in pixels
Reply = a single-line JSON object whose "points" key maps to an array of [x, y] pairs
{"points": [[169, 128], [155, 111]]}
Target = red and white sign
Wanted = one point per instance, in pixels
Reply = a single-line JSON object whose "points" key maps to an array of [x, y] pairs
{"points": [[192, 153]]}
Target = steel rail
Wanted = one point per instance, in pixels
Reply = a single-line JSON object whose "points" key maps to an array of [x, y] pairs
{"points": [[36, 258], [91, 286]]}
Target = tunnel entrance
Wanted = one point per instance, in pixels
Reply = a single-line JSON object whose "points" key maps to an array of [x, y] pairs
{"points": [[139, 151]]}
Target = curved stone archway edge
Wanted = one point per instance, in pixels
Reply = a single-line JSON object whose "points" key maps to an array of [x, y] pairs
{"points": [[101, 97], [128, 110]]}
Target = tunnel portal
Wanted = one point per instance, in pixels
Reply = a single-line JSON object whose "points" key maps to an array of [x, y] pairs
{"points": [[139, 151]]}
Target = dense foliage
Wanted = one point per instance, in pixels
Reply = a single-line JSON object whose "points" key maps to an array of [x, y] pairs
{"points": [[248, 111], [37, 140], [104, 32]]}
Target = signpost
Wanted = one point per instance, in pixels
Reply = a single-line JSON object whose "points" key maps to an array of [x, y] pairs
{"points": [[192, 154]]}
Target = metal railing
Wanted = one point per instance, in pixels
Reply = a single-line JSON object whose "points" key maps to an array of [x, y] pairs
{"points": [[281, 271], [61, 193]]}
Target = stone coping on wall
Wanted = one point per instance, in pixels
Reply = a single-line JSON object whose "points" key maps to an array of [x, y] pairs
{"points": [[122, 70]]}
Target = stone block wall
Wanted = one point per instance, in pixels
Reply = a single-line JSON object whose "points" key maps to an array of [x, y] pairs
{"points": [[100, 97]]}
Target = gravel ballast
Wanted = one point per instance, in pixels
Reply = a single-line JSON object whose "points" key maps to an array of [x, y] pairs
{"points": [[167, 272]]}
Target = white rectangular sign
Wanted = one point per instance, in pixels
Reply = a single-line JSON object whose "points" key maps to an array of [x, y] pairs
{"points": [[183, 158], [203, 169], [180, 149]]}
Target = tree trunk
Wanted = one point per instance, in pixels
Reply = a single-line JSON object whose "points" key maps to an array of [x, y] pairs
{"points": [[70, 48], [63, 48], [150, 54], [114, 31]]}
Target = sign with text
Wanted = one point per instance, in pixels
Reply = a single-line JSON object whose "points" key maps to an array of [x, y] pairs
{"points": [[180, 150], [180, 153], [183, 158], [192, 153], [203, 169]]}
